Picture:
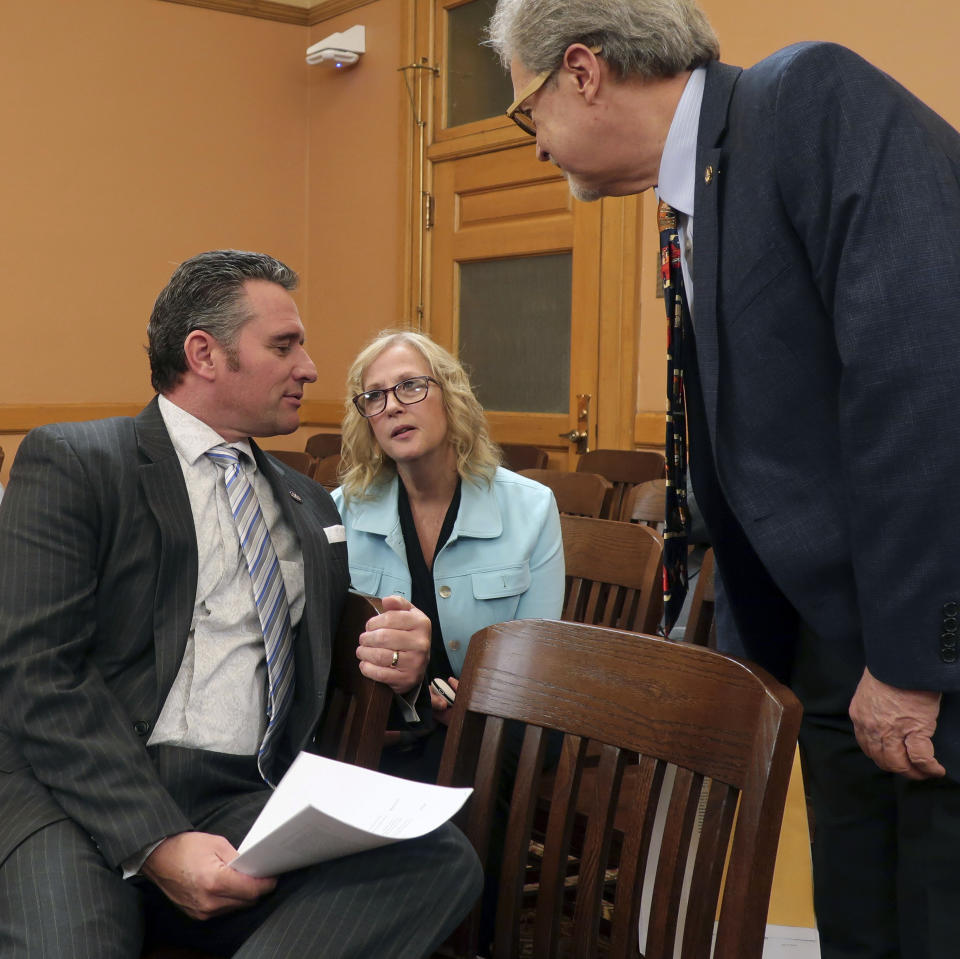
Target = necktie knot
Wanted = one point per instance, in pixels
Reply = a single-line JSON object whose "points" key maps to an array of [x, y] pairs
{"points": [[224, 456], [666, 216]]}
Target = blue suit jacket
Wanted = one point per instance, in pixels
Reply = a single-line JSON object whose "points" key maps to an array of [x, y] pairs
{"points": [[503, 560], [825, 398], [97, 587]]}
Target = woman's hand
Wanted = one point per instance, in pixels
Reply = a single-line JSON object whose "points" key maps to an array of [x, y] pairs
{"points": [[441, 708], [395, 648]]}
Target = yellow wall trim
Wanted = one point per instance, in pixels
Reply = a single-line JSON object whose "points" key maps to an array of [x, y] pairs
{"points": [[648, 429], [282, 12]]}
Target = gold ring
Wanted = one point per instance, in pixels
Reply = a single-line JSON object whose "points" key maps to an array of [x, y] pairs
{"points": [[395, 660]]}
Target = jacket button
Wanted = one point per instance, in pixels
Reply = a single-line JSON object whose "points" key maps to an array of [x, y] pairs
{"points": [[454, 645], [141, 727], [951, 608], [444, 592]]}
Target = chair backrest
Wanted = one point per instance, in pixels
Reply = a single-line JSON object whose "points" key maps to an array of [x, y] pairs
{"points": [[715, 738], [646, 503], [325, 472], [357, 708], [322, 445], [522, 456], [700, 628], [624, 469], [296, 459], [613, 573], [579, 494]]}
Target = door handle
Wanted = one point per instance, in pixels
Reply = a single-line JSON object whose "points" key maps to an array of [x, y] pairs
{"points": [[574, 436]]}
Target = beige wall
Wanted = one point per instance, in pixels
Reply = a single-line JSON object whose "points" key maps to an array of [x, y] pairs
{"points": [[138, 132], [135, 133]]}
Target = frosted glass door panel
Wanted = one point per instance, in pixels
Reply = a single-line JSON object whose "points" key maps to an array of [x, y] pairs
{"points": [[477, 86], [515, 331]]}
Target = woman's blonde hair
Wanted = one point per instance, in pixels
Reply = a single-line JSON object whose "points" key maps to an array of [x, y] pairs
{"points": [[364, 465]]}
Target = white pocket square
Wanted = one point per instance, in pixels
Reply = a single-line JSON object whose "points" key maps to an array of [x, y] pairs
{"points": [[335, 534]]}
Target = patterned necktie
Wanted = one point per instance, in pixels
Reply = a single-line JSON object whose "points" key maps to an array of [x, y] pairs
{"points": [[269, 594], [675, 530]]}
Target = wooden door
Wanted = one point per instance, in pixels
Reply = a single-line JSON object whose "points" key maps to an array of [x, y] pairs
{"points": [[535, 291], [509, 290]]}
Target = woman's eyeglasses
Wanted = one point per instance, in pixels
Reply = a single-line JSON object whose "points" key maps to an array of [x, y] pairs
{"points": [[408, 392]]}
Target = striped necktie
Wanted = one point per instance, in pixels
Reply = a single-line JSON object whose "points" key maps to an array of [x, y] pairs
{"points": [[269, 594], [675, 529]]}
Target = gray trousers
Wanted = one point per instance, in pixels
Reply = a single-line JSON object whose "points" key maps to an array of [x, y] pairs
{"points": [[59, 898]]}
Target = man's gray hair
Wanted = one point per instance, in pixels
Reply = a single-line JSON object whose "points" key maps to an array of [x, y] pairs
{"points": [[206, 293], [649, 38]]}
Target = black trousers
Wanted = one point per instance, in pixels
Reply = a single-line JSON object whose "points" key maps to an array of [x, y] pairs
{"points": [[886, 850]]}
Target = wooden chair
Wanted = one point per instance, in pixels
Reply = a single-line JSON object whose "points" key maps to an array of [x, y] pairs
{"points": [[701, 628], [624, 469], [322, 445], [646, 503], [716, 739], [325, 472], [296, 459], [613, 574], [522, 456], [579, 494], [354, 719], [357, 708]]}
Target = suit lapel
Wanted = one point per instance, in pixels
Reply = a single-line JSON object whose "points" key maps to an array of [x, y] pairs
{"points": [[161, 479], [718, 90]]}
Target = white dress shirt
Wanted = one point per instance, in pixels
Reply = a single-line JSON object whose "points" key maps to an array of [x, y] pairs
{"points": [[218, 699], [678, 171]]}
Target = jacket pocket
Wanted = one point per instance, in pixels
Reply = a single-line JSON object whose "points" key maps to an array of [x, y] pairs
{"points": [[366, 581], [498, 583]]}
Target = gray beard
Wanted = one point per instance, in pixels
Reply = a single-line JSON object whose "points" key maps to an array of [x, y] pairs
{"points": [[582, 193]]}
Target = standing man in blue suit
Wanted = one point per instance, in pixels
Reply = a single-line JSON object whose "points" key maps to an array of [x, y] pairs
{"points": [[819, 226], [146, 704]]}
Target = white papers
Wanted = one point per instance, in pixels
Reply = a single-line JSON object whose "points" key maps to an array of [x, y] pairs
{"points": [[323, 809]]}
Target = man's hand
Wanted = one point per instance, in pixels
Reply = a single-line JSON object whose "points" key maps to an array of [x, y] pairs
{"points": [[401, 630], [894, 727], [191, 870]]}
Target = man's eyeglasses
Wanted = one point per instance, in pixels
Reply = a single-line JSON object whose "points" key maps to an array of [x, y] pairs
{"points": [[522, 115], [408, 392]]}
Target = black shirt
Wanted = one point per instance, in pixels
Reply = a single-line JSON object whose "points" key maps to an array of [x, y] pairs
{"points": [[423, 591]]}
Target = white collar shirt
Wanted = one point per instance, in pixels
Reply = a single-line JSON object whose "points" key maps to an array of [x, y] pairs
{"points": [[678, 166], [218, 699]]}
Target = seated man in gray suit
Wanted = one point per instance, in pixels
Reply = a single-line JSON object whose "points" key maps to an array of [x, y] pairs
{"points": [[168, 594]]}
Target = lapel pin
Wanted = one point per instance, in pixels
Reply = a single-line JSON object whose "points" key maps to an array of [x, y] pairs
{"points": [[296, 496], [708, 174]]}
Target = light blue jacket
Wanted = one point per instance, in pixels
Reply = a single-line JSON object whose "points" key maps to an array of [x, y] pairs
{"points": [[503, 560]]}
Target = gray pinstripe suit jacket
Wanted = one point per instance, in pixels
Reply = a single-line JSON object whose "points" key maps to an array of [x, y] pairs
{"points": [[98, 571]]}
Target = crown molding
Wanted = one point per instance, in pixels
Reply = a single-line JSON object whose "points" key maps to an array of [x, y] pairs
{"points": [[280, 12]]}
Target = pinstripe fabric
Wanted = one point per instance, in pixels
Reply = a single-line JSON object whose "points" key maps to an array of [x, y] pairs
{"points": [[269, 595], [97, 586]]}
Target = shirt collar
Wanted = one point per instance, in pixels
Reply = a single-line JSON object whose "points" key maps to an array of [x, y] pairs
{"points": [[191, 437], [677, 180]]}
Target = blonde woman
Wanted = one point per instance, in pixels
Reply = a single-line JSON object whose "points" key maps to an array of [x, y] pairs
{"points": [[431, 515]]}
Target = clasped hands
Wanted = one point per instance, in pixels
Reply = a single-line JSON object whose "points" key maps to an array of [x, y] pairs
{"points": [[395, 647]]}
